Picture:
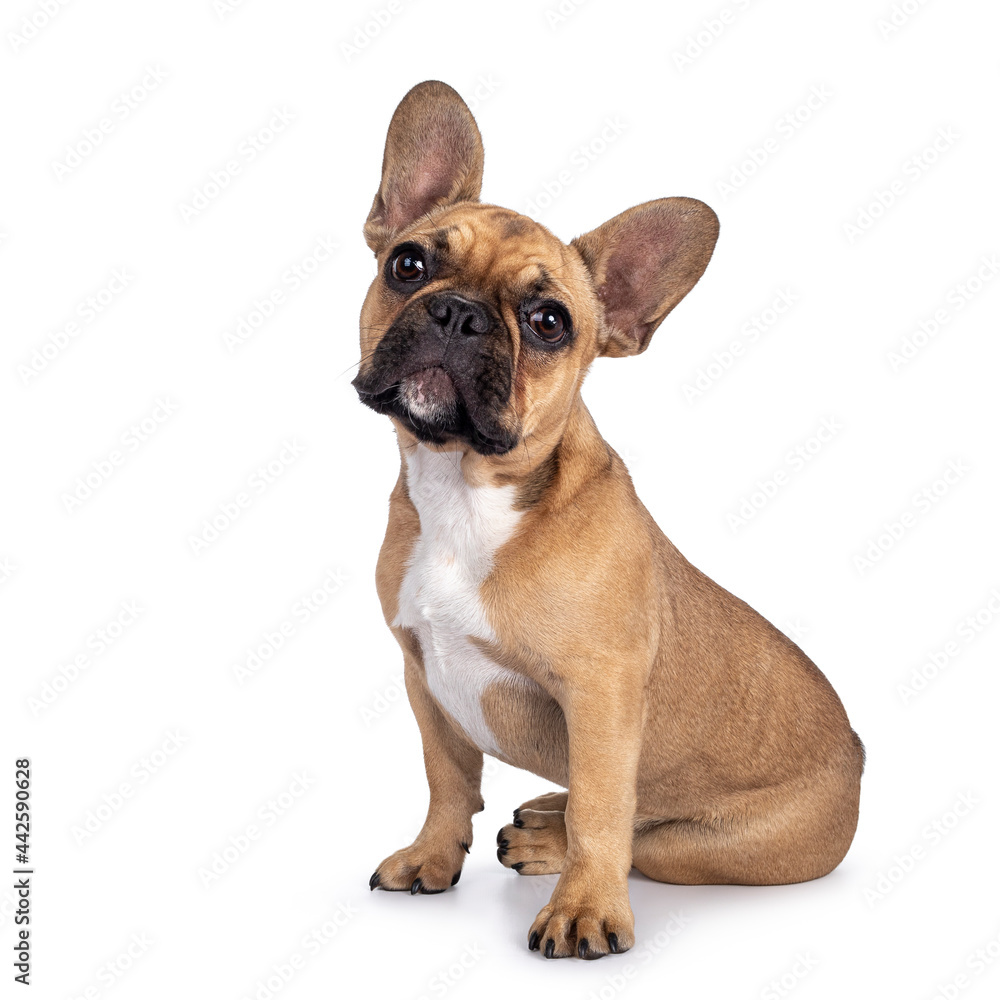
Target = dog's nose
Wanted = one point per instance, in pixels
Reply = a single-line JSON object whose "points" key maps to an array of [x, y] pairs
{"points": [[458, 315]]}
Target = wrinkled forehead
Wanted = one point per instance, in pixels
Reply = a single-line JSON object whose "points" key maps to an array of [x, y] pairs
{"points": [[497, 247]]}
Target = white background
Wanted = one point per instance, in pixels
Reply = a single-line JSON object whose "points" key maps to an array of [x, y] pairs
{"points": [[909, 906]]}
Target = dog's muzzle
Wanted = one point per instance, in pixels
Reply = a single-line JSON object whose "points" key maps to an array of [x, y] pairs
{"points": [[444, 369]]}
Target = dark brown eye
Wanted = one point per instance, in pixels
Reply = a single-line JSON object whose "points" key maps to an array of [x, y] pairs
{"points": [[408, 265], [548, 323]]}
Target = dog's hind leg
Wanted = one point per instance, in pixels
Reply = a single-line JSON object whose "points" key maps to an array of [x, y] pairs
{"points": [[780, 836], [535, 843], [549, 802]]}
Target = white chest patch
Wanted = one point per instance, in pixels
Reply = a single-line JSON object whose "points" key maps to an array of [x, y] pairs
{"points": [[461, 527]]}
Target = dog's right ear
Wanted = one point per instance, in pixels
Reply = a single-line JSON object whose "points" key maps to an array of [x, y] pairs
{"points": [[433, 156]]}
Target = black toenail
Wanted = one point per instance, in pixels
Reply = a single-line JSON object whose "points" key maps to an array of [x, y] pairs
{"points": [[613, 943], [517, 812], [517, 867], [550, 948], [533, 941], [518, 822], [418, 884], [500, 834], [465, 847], [374, 881], [456, 877], [582, 947], [501, 851]]}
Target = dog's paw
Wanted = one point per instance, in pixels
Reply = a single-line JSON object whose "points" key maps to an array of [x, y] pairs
{"points": [[535, 843], [420, 869], [589, 922], [549, 802]]}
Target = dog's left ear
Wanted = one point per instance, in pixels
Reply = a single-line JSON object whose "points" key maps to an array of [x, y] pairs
{"points": [[643, 263], [433, 156]]}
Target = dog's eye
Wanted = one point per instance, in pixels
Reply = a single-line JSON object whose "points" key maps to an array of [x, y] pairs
{"points": [[408, 265], [548, 323]]}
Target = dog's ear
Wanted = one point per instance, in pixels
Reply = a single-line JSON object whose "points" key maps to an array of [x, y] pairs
{"points": [[433, 156], [643, 263]]}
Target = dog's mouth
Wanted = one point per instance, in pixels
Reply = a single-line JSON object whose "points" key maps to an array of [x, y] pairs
{"points": [[430, 406]]}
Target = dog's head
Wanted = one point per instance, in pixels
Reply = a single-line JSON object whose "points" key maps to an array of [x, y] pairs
{"points": [[480, 325]]}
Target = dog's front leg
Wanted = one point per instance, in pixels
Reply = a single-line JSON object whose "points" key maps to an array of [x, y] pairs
{"points": [[454, 770], [589, 912]]}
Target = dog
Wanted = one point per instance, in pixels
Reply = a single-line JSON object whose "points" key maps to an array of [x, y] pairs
{"points": [[543, 616]]}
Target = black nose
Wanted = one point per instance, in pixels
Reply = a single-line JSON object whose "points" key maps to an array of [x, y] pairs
{"points": [[458, 315]]}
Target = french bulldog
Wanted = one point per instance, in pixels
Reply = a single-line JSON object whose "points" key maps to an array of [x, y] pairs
{"points": [[543, 616]]}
